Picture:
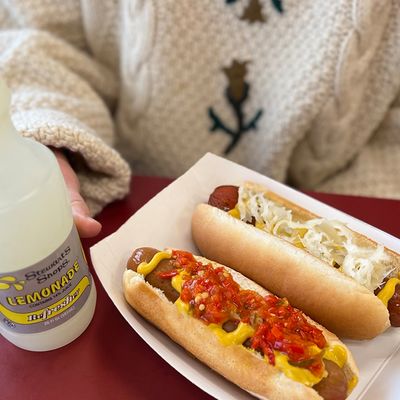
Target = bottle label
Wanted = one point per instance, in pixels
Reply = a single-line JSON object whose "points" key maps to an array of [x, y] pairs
{"points": [[48, 293]]}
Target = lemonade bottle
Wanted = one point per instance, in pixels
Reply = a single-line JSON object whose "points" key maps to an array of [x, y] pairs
{"points": [[47, 295]]}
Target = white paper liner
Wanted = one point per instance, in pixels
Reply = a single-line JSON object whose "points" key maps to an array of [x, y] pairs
{"points": [[165, 222]]}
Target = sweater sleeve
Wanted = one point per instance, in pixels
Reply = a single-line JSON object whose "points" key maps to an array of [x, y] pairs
{"points": [[61, 96], [375, 172]]}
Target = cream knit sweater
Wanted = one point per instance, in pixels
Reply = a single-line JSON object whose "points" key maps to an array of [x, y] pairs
{"points": [[302, 91]]}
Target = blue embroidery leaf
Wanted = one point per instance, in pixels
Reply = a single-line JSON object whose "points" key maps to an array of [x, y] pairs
{"points": [[278, 5]]}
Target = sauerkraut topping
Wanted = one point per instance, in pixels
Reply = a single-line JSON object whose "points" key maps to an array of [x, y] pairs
{"points": [[328, 240]]}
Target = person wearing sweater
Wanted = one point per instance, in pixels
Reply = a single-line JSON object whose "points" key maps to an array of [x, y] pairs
{"points": [[306, 92]]}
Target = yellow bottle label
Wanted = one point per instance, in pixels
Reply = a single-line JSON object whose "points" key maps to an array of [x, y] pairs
{"points": [[47, 293]]}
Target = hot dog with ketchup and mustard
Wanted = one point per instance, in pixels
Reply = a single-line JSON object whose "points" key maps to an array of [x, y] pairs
{"points": [[250, 336]]}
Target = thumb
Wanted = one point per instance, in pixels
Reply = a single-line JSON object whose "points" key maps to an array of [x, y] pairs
{"points": [[87, 226]]}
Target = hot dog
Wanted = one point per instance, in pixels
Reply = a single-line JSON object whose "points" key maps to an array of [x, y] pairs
{"points": [[251, 337], [322, 267]]}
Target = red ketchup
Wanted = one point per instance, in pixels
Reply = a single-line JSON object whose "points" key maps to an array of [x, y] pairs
{"points": [[214, 297]]}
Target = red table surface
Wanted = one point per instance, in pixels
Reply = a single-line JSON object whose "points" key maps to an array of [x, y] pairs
{"points": [[109, 360]]}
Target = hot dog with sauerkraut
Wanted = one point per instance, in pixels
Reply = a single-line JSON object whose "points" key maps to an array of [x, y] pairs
{"points": [[342, 279]]}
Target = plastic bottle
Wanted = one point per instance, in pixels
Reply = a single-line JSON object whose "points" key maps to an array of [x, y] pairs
{"points": [[47, 295]]}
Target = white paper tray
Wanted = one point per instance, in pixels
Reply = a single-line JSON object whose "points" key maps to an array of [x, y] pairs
{"points": [[165, 222]]}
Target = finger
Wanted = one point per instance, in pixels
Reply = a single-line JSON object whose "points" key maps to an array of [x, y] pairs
{"points": [[87, 226]]}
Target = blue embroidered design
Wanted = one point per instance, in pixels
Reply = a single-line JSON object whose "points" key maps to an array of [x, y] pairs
{"points": [[276, 3], [236, 93]]}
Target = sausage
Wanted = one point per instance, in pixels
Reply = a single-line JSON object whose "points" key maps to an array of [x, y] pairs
{"points": [[139, 255], [146, 254], [224, 197], [230, 325], [334, 386], [394, 307], [393, 304]]}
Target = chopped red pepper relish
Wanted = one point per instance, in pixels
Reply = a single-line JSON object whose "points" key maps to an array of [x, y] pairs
{"points": [[214, 297]]}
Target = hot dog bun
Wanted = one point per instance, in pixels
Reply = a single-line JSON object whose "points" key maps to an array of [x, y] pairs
{"points": [[327, 295], [243, 367]]}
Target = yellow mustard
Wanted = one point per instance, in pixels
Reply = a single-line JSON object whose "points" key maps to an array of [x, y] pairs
{"points": [[297, 374], [238, 336], [234, 213], [351, 384], [177, 280], [182, 306], [337, 354], [388, 290], [145, 268]]}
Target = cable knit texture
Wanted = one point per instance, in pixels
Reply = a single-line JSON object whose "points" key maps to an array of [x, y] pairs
{"points": [[152, 79]]}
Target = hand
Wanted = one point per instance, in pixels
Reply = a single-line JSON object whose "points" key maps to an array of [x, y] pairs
{"points": [[87, 226]]}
